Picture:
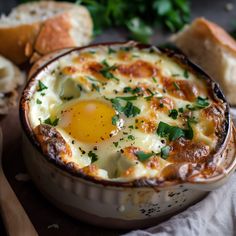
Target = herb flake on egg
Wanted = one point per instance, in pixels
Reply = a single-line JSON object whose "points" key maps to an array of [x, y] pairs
{"points": [[41, 86]]}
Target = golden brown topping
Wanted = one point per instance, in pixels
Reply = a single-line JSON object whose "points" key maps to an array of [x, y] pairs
{"points": [[188, 151], [164, 104], [94, 68], [130, 152], [52, 143], [214, 113], [83, 57], [90, 170], [180, 88], [138, 69], [146, 125], [124, 56], [153, 163], [69, 70]]}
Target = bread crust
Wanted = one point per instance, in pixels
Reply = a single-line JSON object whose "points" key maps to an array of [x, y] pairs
{"points": [[212, 48], [221, 37], [15, 42], [19, 43]]}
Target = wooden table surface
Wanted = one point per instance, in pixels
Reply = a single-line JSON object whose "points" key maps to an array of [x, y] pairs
{"points": [[40, 211]]}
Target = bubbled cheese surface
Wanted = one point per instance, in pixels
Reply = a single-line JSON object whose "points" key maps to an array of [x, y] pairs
{"points": [[107, 103]]}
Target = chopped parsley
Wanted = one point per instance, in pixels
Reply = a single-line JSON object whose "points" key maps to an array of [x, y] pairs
{"points": [[106, 70], [173, 114], [129, 109], [38, 101], [115, 119], [95, 87], [165, 152], [192, 120], [50, 121], [200, 103], [128, 98], [116, 104], [142, 156], [133, 91], [41, 86], [111, 50], [154, 79], [93, 156], [127, 90], [131, 137], [67, 98], [175, 75], [176, 86], [91, 79], [181, 109], [116, 144], [186, 75], [174, 132]]}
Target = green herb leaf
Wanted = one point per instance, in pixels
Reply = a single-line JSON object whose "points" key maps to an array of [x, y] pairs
{"points": [[186, 75], [131, 137], [174, 132], [142, 156], [128, 98], [115, 119], [173, 114], [38, 101], [165, 152], [140, 31], [130, 110], [106, 70], [127, 90], [154, 79], [189, 132], [201, 102], [93, 156], [41, 86], [50, 121], [116, 104], [92, 79], [116, 144], [139, 17], [176, 86], [111, 50]]}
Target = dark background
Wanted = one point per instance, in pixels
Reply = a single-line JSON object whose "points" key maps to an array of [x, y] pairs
{"points": [[40, 211]]}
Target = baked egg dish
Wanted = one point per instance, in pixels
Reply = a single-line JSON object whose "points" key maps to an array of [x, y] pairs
{"points": [[122, 113]]}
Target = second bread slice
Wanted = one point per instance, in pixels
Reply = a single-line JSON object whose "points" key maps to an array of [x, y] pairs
{"points": [[41, 27]]}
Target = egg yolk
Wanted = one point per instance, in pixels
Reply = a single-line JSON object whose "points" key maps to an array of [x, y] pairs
{"points": [[89, 121]]}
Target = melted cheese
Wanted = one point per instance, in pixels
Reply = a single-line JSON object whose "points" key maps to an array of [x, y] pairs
{"points": [[108, 143]]}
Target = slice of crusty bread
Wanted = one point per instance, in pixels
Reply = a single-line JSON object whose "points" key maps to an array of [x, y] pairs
{"points": [[10, 79], [38, 28], [213, 49]]}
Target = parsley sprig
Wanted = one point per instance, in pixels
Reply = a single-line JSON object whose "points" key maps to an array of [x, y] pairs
{"points": [[51, 121], [106, 71], [139, 18], [93, 156], [174, 132], [200, 103], [129, 109], [41, 86]]}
